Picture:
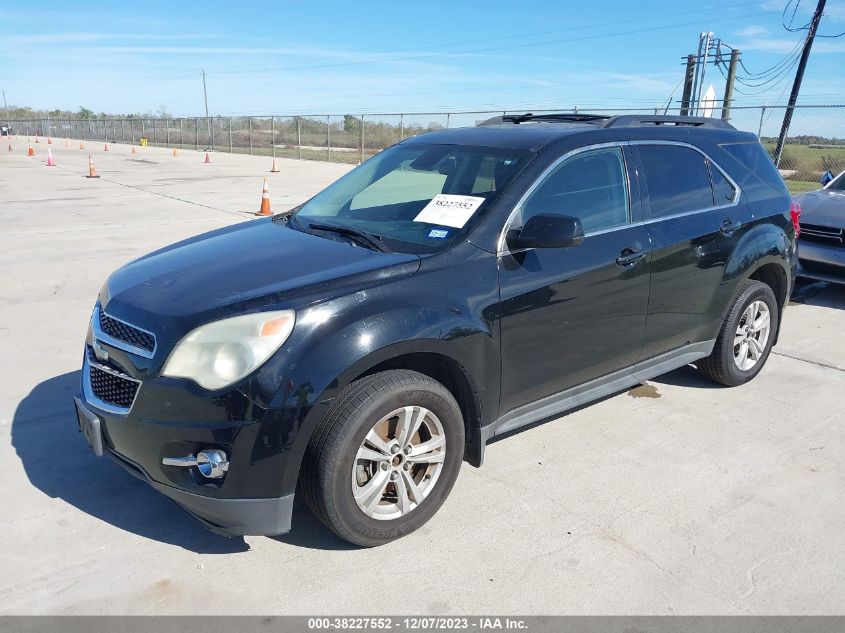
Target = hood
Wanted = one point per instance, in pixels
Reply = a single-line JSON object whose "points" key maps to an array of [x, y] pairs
{"points": [[236, 269], [825, 207]]}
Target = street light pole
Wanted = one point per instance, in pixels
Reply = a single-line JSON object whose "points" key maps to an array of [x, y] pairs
{"points": [[207, 119], [6, 108]]}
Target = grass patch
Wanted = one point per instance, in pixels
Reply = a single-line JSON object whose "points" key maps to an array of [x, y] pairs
{"points": [[801, 186]]}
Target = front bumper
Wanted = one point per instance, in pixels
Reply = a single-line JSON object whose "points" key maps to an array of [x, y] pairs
{"points": [[229, 516], [821, 262], [139, 418], [168, 417]]}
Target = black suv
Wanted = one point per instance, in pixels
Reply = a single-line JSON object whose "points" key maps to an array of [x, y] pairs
{"points": [[457, 286]]}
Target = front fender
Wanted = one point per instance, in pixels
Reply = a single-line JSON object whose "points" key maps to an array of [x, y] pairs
{"points": [[439, 311]]}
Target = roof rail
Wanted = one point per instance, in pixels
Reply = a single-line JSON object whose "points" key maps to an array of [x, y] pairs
{"points": [[550, 117], [638, 120]]}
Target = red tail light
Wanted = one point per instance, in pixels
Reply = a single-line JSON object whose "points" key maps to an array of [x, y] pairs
{"points": [[795, 214]]}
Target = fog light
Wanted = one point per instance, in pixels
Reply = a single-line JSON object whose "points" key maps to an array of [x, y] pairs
{"points": [[212, 464]]}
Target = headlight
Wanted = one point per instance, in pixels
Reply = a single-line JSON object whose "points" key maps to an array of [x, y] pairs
{"points": [[217, 354]]}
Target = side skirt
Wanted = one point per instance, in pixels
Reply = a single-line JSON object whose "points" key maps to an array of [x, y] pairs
{"points": [[595, 389]]}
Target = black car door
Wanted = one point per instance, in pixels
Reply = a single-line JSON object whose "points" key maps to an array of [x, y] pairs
{"points": [[569, 315], [695, 219]]}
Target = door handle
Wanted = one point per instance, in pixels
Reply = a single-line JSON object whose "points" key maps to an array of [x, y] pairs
{"points": [[729, 227], [629, 256]]}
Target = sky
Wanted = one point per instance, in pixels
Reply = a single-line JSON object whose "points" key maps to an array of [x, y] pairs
{"points": [[331, 57]]}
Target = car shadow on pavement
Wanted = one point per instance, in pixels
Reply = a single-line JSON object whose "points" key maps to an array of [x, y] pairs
{"points": [[819, 294], [60, 464], [307, 531], [686, 376]]}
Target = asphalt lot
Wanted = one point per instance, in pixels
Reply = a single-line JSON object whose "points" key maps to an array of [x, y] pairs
{"points": [[677, 497]]}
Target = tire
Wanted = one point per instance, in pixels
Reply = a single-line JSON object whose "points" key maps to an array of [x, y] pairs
{"points": [[724, 363], [335, 476]]}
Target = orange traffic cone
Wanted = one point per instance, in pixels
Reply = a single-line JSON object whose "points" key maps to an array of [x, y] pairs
{"points": [[50, 161], [274, 169], [49, 140], [30, 151], [175, 153], [265, 200], [81, 145], [207, 158], [106, 147], [134, 151], [91, 172]]}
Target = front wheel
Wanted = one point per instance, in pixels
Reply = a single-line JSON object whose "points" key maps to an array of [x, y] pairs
{"points": [[746, 337], [385, 457]]}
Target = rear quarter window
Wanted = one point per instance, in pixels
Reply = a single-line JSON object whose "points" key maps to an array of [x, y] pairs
{"points": [[755, 159]]}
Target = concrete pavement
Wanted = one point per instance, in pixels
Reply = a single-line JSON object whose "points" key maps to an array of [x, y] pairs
{"points": [[677, 497]]}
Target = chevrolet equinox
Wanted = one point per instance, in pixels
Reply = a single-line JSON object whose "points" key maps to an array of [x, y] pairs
{"points": [[456, 286]]}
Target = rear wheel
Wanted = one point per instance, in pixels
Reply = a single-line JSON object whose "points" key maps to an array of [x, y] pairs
{"points": [[746, 337], [385, 457]]}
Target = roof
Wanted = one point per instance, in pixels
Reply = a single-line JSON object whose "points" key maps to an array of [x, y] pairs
{"points": [[526, 137], [532, 132]]}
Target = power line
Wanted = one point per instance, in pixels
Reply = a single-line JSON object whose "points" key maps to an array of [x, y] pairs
{"points": [[732, 5], [772, 82], [774, 78], [496, 48], [774, 68], [789, 27]]}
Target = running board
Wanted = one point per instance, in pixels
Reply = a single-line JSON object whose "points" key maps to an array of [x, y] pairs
{"points": [[594, 390]]}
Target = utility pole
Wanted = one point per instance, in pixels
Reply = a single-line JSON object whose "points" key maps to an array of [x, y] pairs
{"points": [[799, 76], [690, 72], [708, 44], [207, 119], [695, 79], [729, 85], [6, 108]]}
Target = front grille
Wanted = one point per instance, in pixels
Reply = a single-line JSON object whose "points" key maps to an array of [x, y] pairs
{"points": [[111, 388], [110, 364], [823, 234], [126, 333], [820, 268]]}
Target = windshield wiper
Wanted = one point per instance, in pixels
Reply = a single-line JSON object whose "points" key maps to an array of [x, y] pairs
{"points": [[373, 241]]}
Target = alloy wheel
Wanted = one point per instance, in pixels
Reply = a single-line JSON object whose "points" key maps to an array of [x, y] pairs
{"points": [[398, 463], [752, 334]]}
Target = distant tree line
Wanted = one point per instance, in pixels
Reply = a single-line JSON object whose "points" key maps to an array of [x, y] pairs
{"points": [[27, 113]]}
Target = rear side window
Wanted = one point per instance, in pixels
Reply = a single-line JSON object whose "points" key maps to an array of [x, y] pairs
{"points": [[753, 157], [723, 191], [677, 178]]}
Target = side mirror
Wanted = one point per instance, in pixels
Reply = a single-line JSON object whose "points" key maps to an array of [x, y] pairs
{"points": [[826, 177], [547, 230]]}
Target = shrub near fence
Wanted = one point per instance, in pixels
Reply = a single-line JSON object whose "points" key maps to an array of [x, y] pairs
{"points": [[816, 142]]}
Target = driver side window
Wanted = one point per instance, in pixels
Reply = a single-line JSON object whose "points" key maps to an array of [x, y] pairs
{"points": [[590, 186]]}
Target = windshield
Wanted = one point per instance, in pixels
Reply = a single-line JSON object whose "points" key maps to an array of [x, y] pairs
{"points": [[417, 198]]}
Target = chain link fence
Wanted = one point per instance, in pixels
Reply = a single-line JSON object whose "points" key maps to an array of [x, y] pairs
{"points": [[816, 141]]}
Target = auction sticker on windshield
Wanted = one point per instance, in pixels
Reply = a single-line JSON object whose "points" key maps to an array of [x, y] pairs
{"points": [[449, 210]]}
